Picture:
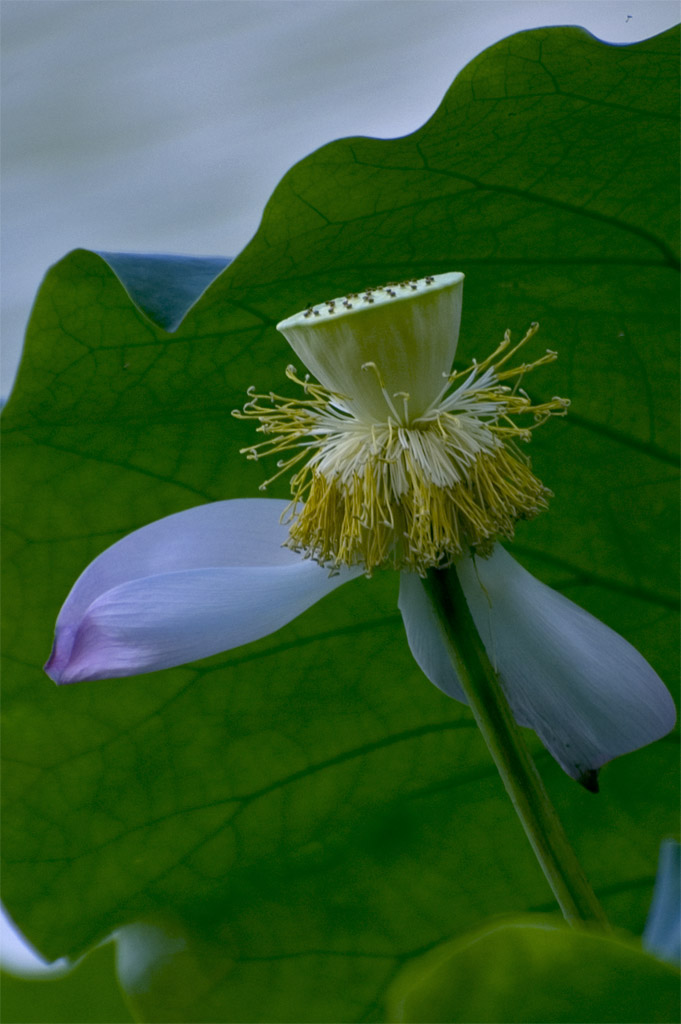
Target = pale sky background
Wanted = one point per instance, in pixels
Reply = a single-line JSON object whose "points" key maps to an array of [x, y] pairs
{"points": [[164, 125]]}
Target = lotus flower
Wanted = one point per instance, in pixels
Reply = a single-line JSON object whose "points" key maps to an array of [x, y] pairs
{"points": [[396, 462]]}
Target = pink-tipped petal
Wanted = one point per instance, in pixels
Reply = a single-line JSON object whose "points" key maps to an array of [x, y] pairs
{"points": [[185, 587]]}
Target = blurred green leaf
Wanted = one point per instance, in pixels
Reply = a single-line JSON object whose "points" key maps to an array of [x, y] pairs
{"points": [[534, 970], [308, 811], [87, 995]]}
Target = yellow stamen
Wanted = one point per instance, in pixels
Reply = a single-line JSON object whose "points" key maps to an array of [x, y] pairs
{"points": [[412, 494]]}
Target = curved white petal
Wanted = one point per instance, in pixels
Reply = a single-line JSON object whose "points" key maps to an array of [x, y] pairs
{"points": [[185, 587], [240, 532], [424, 638], [587, 693]]}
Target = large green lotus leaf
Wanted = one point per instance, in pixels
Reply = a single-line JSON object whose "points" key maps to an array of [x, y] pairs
{"points": [[308, 811], [533, 970]]}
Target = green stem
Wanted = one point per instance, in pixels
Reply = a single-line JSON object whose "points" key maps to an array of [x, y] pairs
{"points": [[523, 783]]}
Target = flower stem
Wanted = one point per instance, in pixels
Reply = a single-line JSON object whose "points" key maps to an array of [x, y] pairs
{"points": [[523, 783]]}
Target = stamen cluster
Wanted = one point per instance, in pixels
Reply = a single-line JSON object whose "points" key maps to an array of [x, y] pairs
{"points": [[410, 492]]}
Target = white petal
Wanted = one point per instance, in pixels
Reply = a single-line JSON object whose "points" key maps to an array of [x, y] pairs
{"points": [[188, 586], [587, 693], [423, 635], [223, 533]]}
